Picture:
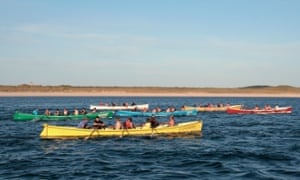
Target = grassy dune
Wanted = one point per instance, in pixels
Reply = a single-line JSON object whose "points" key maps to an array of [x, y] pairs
{"points": [[149, 90]]}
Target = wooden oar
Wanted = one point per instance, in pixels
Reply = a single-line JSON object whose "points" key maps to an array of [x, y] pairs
{"points": [[153, 129], [124, 131], [86, 138]]}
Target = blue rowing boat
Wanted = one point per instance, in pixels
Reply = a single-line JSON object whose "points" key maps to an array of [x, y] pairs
{"points": [[157, 114]]}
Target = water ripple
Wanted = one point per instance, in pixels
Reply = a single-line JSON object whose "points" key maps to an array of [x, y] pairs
{"points": [[231, 146]]}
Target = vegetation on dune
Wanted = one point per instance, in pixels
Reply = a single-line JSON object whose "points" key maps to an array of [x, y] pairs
{"points": [[255, 87], [93, 89]]}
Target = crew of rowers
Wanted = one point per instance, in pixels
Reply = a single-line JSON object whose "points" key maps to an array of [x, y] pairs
{"points": [[151, 122], [210, 105], [266, 107], [154, 110], [115, 104], [65, 112]]}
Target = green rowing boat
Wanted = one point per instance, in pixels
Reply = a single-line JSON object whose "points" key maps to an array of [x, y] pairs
{"points": [[18, 116]]}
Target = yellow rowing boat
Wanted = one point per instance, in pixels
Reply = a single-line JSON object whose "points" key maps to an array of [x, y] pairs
{"points": [[58, 132]]}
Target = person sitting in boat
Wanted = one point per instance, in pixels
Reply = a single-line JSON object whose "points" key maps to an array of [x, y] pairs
{"points": [[84, 124], [173, 109], [147, 124], [47, 112], [128, 124], [118, 124], [98, 124], [153, 122], [83, 111], [57, 113], [144, 110], [35, 112], [76, 112], [256, 107], [168, 109], [154, 110], [171, 121], [65, 112], [94, 110], [268, 107]]}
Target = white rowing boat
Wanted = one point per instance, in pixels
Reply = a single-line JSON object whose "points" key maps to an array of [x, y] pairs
{"points": [[122, 107]]}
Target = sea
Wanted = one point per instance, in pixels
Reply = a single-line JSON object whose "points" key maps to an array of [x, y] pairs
{"points": [[229, 147]]}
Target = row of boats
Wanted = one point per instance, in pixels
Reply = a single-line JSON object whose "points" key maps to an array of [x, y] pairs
{"points": [[192, 110], [20, 116], [104, 111], [185, 128], [138, 111]]}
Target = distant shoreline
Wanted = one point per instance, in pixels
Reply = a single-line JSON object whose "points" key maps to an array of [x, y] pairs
{"points": [[64, 90], [140, 94]]}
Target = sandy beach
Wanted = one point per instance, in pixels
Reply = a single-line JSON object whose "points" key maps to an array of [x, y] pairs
{"points": [[255, 91], [146, 94]]}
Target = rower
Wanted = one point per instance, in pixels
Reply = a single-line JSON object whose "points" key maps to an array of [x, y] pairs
{"points": [[171, 121], [153, 122], [98, 124]]}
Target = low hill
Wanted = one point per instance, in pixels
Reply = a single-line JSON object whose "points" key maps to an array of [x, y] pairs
{"points": [[168, 90]]}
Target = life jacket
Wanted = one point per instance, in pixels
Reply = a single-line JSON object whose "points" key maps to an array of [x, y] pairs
{"points": [[128, 124]]}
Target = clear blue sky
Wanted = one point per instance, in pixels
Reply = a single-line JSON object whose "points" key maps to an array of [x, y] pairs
{"points": [[183, 43]]}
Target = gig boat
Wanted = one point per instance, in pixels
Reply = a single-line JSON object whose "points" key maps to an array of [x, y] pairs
{"points": [[122, 107], [156, 114], [276, 110], [212, 108], [67, 132], [19, 116]]}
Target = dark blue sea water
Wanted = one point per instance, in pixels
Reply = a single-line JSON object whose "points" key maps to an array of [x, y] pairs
{"points": [[231, 146]]}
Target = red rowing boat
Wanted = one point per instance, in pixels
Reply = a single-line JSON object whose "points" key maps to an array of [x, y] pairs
{"points": [[276, 110]]}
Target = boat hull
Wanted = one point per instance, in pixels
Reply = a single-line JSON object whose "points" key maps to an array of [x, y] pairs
{"points": [[212, 109], [18, 116], [280, 110], [133, 107], [63, 132], [158, 114]]}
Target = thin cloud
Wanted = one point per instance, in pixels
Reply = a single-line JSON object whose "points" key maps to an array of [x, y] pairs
{"points": [[261, 49]]}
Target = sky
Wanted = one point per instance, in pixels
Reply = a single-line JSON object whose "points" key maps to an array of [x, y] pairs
{"points": [[163, 43]]}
